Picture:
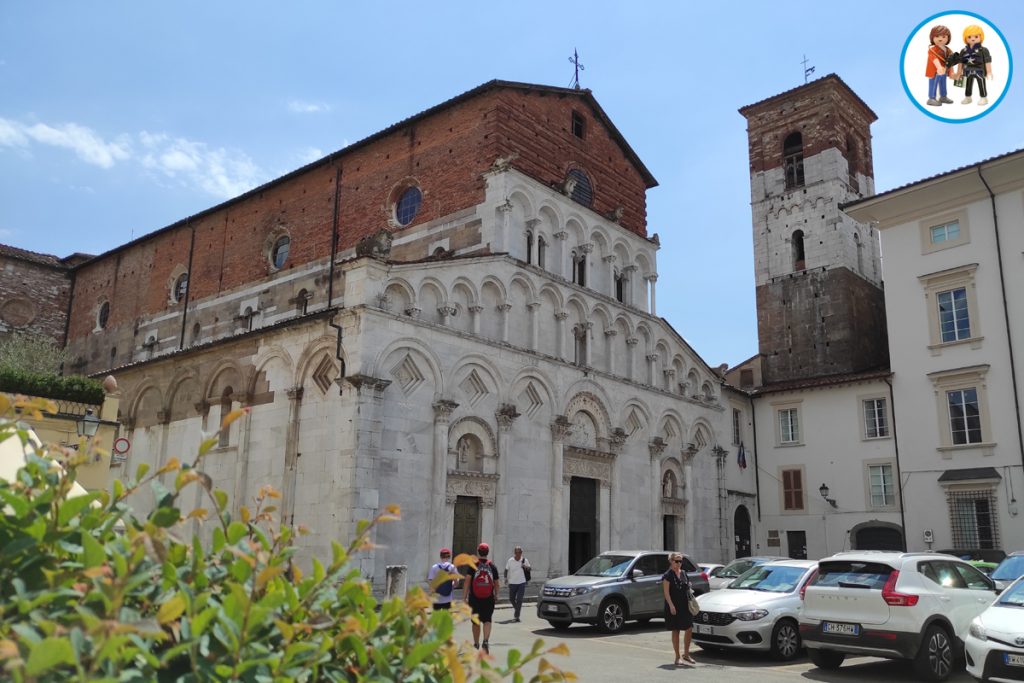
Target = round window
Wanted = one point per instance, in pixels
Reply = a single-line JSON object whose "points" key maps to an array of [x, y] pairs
{"points": [[104, 314], [181, 287], [279, 254], [407, 206]]}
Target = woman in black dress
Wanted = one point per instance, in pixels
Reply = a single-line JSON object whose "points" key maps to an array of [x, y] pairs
{"points": [[676, 586]]}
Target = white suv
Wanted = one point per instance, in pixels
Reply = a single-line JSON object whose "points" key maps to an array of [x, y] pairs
{"points": [[916, 606]]}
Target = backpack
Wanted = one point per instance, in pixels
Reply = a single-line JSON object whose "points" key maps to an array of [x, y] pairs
{"points": [[445, 589], [483, 581]]}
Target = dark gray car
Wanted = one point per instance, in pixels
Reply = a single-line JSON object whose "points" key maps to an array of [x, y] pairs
{"points": [[612, 588]]}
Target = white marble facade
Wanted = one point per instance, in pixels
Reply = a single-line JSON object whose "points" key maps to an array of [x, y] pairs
{"points": [[472, 374]]}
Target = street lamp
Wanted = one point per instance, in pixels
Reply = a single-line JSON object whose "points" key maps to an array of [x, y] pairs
{"points": [[824, 491], [88, 425]]}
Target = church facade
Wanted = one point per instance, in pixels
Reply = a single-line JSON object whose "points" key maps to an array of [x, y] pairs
{"points": [[457, 315]]}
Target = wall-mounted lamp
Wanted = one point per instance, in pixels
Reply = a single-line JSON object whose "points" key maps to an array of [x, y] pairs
{"points": [[88, 425], [824, 491]]}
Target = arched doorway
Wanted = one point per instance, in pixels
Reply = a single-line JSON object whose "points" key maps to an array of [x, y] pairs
{"points": [[741, 526], [878, 537]]}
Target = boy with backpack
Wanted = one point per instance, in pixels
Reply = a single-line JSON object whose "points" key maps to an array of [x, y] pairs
{"points": [[443, 591], [481, 593]]}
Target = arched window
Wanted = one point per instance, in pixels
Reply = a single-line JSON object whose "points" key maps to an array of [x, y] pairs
{"points": [[793, 160], [620, 286], [541, 250], [248, 316], [180, 287], [408, 205], [529, 246], [579, 268], [103, 315], [580, 189], [279, 252], [196, 330], [798, 250], [225, 409]]}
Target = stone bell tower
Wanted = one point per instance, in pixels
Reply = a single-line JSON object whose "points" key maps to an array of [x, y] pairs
{"points": [[820, 309]]}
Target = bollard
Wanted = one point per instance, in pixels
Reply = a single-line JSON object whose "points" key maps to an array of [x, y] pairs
{"points": [[395, 580]]}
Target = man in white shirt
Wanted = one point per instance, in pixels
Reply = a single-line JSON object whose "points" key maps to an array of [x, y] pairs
{"points": [[443, 591], [516, 570]]}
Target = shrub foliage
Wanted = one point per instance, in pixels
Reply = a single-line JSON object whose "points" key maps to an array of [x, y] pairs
{"points": [[90, 591], [57, 387]]}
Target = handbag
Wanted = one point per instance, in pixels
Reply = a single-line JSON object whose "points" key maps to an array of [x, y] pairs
{"points": [[526, 570], [692, 603], [959, 82]]}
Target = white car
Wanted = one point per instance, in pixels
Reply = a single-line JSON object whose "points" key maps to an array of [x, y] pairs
{"points": [[723, 576], [757, 611], [995, 640], [916, 606]]}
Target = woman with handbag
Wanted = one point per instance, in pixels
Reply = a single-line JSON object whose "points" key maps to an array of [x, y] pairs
{"points": [[675, 585]]}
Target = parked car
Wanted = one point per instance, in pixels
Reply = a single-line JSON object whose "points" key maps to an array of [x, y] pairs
{"points": [[710, 568], [734, 569], [985, 554], [915, 606], [994, 646], [615, 587], [1009, 570], [984, 567], [757, 611]]}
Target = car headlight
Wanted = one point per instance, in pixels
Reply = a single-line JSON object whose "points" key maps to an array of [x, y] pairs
{"points": [[978, 631], [581, 590], [751, 614]]}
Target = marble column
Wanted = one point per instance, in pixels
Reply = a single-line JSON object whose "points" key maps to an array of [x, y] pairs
{"points": [[505, 225], [630, 294], [474, 313], [610, 273], [609, 345], [533, 308], [656, 447], [558, 531], [563, 254], [652, 279], [586, 329], [652, 362], [503, 310], [291, 457], [687, 454], [439, 471], [505, 416], [616, 444], [560, 334], [446, 311], [631, 343]]}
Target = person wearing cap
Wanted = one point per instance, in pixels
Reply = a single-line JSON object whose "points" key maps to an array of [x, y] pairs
{"points": [[443, 590], [515, 575], [481, 593]]}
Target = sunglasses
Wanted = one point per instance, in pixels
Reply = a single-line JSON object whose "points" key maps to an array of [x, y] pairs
{"points": [[677, 561]]}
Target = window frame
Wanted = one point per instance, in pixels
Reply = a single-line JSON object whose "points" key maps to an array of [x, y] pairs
{"points": [[737, 426], [396, 208], [869, 497], [926, 225], [275, 248], [973, 492], [943, 281], [863, 417], [578, 125], [102, 316], [945, 381], [786, 495], [794, 425], [948, 300]]}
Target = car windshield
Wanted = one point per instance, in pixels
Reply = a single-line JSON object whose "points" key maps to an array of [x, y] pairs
{"points": [[735, 568], [1009, 569], [769, 578], [1012, 596], [605, 565], [853, 574]]}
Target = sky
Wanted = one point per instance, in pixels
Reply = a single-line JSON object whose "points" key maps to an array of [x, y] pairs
{"points": [[119, 118]]}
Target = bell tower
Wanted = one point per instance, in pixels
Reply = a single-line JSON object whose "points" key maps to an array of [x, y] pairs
{"points": [[820, 309]]}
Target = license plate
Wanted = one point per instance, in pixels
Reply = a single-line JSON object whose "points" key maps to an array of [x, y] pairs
{"points": [[551, 608], [701, 628], [840, 629], [1013, 660]]}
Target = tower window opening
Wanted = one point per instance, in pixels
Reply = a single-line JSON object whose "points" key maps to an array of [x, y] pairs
{"points": [[798, 250], [579, 125], [529, 247], [541, 249], [793, 160]]}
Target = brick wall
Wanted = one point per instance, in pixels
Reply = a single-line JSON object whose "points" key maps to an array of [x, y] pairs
{"points": [[34, 291]]}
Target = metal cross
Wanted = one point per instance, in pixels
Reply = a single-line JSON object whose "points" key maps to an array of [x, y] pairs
{"points": [[575, 59], [807, 71]]}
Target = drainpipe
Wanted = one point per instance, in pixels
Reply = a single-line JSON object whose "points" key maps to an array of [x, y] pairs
{"points": [[330, 276], [753, 458], [1006, 317], [188, 288], [899, 475]]}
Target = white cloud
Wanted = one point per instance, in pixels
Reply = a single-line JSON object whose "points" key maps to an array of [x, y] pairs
{"points": [[300, 107], [309, 155], [217, 171]]}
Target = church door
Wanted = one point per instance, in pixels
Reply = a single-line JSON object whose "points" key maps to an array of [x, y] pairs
{"points": [[582, 521], [668, 524], [741, 526], [467, 525]]}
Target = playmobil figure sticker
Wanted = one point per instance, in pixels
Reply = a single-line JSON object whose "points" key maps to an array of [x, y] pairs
{"points": [[956, 66]]}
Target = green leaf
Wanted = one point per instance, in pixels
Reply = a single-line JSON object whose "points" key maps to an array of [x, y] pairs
{"points": [[49, 653], [171, 610], [93, 553], [236, 532], [421, 651], [140, 471], [165, 516], [70, 508], [221, 498], [17, 503]]}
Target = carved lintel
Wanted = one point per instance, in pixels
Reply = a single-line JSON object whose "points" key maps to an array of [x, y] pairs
{"points": [[560, 428], [361, 382], [656, 446], [413, 311], [506, 415], [443, 409], [561, 235], [632, 341], [295, 393]]}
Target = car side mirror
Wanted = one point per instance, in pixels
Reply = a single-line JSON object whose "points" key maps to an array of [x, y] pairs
{"points": [[636, 573]]}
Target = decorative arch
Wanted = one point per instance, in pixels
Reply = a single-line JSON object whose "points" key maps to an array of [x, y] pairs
{"points": [[477, 427], [384, 366], [635, 417], [701, 434], [312, 352], [226, 373], [520, 279], [591, 404], [552, 292], [671, 428], [147, 405], [672, 482], [467, 286], [183, 395], [481, 379], [275, 355], [531, 391]]}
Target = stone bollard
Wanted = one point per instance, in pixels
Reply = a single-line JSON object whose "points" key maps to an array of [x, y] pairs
{"points": [[395, 580]]}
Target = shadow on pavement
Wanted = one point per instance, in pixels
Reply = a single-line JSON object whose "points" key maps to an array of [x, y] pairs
{"points": [[740, 658]]}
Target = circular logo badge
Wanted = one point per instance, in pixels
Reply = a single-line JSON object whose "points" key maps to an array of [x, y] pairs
{"points": [[956, 66]]}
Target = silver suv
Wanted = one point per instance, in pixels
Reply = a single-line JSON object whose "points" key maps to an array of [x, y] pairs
{"points": [[612, 588]]}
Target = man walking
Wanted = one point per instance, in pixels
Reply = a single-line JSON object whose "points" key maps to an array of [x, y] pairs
{"points": [[444, 589], [517, 574], [481, 593]]}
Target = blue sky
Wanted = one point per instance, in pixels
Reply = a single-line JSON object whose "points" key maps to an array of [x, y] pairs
{"points": [[118, 118]]}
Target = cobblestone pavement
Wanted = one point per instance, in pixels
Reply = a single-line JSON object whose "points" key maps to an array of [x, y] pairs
{"points": [[644, 653]]}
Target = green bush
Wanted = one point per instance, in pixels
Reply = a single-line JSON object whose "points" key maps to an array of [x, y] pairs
{"points": [[91, 592], [57, 387]]}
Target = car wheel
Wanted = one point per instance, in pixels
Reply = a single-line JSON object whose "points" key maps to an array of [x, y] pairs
{"points": [[560, 625], [785, 641], [826, 659], [934, 661], [612, 616]]}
